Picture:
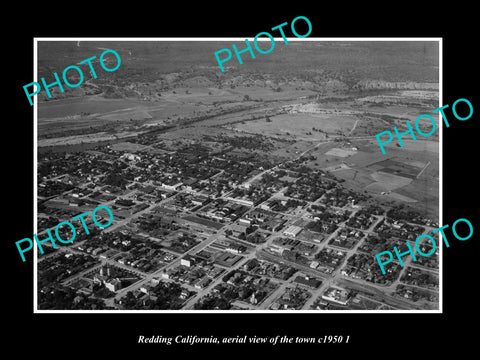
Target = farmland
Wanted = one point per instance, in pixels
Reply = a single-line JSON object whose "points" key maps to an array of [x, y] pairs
{"points": [[259, 188]]}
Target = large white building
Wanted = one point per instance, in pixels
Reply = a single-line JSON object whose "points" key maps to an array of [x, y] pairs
{"points": [[172, 187], [241, 201], [292, 231]]}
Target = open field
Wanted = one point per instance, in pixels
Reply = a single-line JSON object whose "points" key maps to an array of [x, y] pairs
{"points": [[361, 179], [408, 174], [93, 105], [307, 107], [128, 146], [403, 198], [386, 182], [397, 167]]}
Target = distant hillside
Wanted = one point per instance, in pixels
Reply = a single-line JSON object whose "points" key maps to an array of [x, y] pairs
{"points": [[156, 66]]}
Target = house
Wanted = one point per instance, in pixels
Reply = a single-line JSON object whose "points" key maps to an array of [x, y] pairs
{"points": [[145, 289], [251, 264], [184, 294]]}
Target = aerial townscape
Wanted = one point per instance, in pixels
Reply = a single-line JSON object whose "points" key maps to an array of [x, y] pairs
{"points": [[258, 188]]}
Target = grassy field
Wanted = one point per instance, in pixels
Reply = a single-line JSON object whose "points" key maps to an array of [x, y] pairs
{"points": [[389, 61], [386, 182], [129, 147], [298, 126], [93, 105]]}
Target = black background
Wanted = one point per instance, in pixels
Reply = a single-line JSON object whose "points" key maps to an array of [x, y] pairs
{"points": [[61, 335]]}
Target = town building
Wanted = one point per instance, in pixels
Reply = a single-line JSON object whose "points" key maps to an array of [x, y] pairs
{"points": [[236, 249], [338, 296], [113, 284], [292, 231]]}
